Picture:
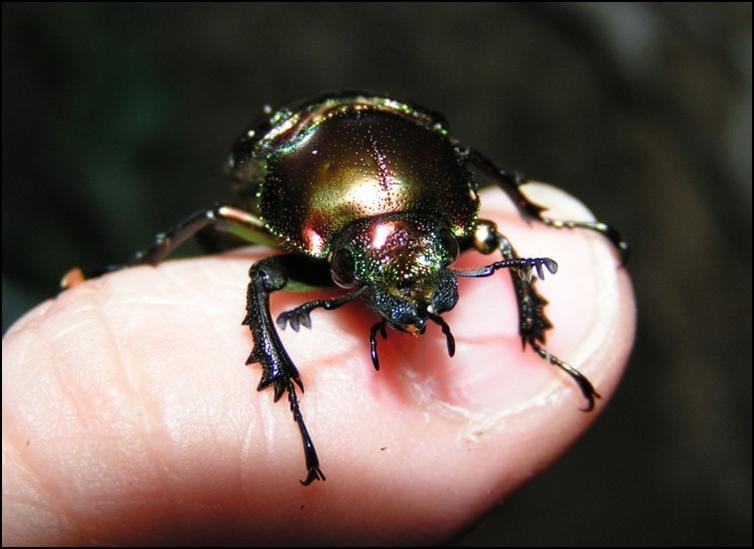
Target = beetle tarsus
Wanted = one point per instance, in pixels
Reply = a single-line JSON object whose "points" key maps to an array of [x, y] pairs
{"points": [[310, 454], [587, 389], [278, 370], [520, 264], [608, 231], [78, 275], [511, 183], [301, 315], [295, 317]]}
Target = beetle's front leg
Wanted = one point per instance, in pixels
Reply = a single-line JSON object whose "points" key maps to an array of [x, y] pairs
{"points": [[531, 305], [267, 276]]}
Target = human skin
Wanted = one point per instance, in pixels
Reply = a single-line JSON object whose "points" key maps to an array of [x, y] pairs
{"points": [[129, 416]]}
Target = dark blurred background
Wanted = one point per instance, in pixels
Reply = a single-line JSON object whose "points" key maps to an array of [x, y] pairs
{"points": [[116, 120]]}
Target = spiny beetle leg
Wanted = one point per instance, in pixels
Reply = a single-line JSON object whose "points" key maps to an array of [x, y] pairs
{"points": [[313, 472], [267, 276], [587, 389]]}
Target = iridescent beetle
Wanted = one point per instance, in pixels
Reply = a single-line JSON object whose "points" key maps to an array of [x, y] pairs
{"points": [[371, 194]]}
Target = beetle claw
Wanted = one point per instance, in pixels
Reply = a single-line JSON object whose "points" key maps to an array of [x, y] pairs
{"points": [[312, 475], [296, 318], [586, 387], [306, 320], [293, 320]]}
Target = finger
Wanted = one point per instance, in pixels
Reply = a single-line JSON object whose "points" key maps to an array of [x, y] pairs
{"points": [[128, 415]]}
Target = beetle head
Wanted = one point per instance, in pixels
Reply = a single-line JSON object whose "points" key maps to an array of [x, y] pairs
{"points": [[403, 260]]}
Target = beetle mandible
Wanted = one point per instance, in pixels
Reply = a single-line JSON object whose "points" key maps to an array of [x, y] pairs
{"points": [[371, 194]]}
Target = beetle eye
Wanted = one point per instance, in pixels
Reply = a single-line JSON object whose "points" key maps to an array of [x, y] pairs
{"points": [[342, 269], [450, 243]]}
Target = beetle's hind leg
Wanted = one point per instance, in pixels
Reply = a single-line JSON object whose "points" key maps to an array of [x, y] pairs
{"points": [[226, 219], [533, 323], [511, 182]]}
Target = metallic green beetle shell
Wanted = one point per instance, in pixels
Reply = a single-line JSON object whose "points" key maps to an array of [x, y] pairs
{"points": [[317, 171]]}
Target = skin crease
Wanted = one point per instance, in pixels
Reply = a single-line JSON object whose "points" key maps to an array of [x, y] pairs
{"points": [[130, 418]]}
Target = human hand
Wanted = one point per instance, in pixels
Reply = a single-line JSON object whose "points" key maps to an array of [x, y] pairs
{"points": [[130, 418]]}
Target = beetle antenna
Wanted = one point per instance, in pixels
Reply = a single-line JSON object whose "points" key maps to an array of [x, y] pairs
{"points": [[449, 339], [373, 341]]}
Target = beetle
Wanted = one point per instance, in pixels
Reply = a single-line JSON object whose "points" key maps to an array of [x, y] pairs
{"points": [[371, 194]]}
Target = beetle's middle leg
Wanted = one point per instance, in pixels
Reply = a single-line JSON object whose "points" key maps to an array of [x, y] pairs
{"points": [[511, 182], [223, 218], [531, 314]]}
